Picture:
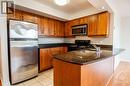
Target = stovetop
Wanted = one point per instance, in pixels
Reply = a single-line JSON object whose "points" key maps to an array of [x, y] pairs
{"points": [[81, 44]]}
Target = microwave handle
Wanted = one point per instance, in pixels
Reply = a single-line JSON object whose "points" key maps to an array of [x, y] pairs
{"points": [[84, 31]]}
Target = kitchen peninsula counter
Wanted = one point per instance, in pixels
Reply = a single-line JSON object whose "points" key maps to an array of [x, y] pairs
{"points": [[84, 67], [87, 56]]}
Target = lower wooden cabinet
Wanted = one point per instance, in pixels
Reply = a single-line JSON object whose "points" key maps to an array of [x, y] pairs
{"points": [[46, 56]]}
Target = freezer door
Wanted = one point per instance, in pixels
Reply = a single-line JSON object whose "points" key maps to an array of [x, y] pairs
{"points": [[23, 60], [20, 29]]}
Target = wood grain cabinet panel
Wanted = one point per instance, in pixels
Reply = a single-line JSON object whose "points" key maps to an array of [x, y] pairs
{"points": [[92, 25], [45, 21], [51, 28], [57, 28], [40, 25], [68, 29], [84, 20], [93, 74], [99, 25], [75, 22], [45, 59], [16, 15], [103, 24], [29, 17], [47, 55]]}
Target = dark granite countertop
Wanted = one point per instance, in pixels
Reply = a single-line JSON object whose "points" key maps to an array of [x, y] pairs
{"points": [[82, 57]]}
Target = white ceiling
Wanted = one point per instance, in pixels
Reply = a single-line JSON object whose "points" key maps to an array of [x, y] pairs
{"points": [[73, 7], [120, 6]]}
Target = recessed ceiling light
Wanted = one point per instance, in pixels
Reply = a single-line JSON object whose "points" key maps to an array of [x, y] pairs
{"points": [[61, 2], [102, 7]]}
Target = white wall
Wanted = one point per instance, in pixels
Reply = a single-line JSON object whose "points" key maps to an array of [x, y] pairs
{"points": [[125, 38], [116, 37]]}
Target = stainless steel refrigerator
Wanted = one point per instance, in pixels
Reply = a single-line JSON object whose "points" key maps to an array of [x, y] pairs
{"points": [[23, 50]]}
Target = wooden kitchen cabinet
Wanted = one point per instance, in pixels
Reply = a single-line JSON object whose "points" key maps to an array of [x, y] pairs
{"points": [[46, 26], [68, 29], [99, 25], [40, 25], [92, 25], [51, 27], [83, 20], [46, 56], [16, 15], [45, 22], [29, 17], [103, 24], [59, 28], [62, 29], [45, 59], [75, 22]]}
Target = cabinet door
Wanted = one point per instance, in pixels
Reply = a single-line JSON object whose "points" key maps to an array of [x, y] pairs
{"points": [[40, 25], [68, 29], [29, 17], [92, 26], [84, 20], [51, 27], [103, 24], [16, 15], [45, 59], [75, 22], [61, 30], [57, 28], [45, 22]]}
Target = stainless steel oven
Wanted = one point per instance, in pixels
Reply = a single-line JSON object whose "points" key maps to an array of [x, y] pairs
{"points": [[79, 30]]}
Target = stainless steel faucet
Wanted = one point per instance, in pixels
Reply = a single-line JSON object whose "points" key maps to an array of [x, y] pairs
{"points": [[98, 49]]}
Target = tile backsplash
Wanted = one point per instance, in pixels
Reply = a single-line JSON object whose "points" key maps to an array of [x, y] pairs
{"points": [[46, 40], [102, 41]]}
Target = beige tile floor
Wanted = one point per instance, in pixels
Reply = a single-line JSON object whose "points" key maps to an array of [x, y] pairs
{"points": [[44, 79]]}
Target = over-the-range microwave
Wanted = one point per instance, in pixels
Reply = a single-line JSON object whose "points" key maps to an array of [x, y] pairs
{"points": [[80, 30]]}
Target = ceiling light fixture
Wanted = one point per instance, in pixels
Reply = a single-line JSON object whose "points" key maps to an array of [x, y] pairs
{"points": [[61, 2]]}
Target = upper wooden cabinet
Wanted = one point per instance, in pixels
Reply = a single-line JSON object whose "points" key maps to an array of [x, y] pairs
{"points": [[23, 16], [103, 24], [92, 25], [51, 27], [29, 17], [83, 20], [40, 25], [46, 26], [75, 22], [16, 15], [99, 25], [68, 29]]}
